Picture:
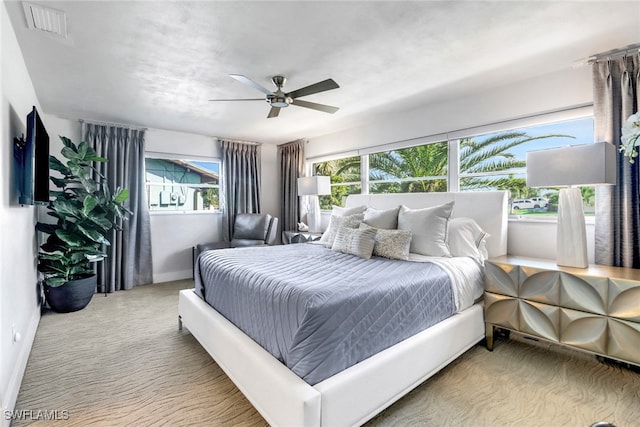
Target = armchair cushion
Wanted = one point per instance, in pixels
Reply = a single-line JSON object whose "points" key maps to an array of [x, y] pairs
{"points": [[251, 227]]}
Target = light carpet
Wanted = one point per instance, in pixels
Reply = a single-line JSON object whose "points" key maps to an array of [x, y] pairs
{"points": [[122, 362]]}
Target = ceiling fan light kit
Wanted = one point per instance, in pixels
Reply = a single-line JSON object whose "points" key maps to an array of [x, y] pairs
{"points": [[279, 99]]}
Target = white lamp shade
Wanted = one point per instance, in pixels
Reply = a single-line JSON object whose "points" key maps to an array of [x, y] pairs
{"points": [[589, 164], [314, 185]]}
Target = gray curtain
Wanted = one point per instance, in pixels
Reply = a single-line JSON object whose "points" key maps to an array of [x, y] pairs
{"points": [[616, 97], [129, 256], [240, 190], [291, 164]]}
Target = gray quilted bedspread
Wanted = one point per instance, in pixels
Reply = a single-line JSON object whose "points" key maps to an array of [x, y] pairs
{"points": [[320, 311]]}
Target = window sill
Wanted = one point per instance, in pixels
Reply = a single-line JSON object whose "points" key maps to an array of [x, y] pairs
{"points": [[161, 213], [589, 220]]}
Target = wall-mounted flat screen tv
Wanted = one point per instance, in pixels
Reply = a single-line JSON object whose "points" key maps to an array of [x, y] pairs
{"points": [[35, 162]]}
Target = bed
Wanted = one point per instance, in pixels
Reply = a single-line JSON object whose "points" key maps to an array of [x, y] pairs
{"points": [[354, 394]]}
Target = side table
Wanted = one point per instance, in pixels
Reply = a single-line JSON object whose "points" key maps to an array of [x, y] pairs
{"points": [[292, 236], [595, 309]]}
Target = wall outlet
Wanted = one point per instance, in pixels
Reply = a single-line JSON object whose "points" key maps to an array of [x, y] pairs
{"points": [[15, 335]]}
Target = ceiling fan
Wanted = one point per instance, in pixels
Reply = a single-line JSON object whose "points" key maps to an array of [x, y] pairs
{"points": [[280, 99]]}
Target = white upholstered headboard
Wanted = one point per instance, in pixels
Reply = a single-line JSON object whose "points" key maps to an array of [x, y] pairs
{"points": [[488, 208]]}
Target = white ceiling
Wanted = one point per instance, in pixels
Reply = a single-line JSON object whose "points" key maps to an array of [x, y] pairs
{"points": [[157, 63]]}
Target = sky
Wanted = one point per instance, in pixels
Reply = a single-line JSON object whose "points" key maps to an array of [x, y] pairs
{"points": [[581, 129]]}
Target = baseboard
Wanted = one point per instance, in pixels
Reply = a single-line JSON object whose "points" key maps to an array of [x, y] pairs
{"points": [[171, 276], [13, 388]]}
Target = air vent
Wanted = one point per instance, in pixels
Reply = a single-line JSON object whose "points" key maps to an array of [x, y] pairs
{"points": [[51, 21]]}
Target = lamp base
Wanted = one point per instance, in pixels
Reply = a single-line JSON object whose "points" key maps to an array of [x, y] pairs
{"points": [[572, 234], [313, 215]]}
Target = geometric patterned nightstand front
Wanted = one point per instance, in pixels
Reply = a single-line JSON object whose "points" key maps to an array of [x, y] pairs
{"points": [[596, 309]]}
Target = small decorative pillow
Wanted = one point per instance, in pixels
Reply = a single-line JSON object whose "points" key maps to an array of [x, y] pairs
{"points": [[387, 219], [428, 228], [350, 221], [355, 241], [392, 244], [340, 211], [466, 238]]}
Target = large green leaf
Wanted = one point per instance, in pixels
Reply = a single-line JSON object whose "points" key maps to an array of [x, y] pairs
{"points": [[93, 234], [67, 142], [67, 208], [46, 228], [70, 153], [57, 165], [90, 202], [72, 239], [58, 182], [83, 147], [101, 221], [121, 195], [54, 282]]}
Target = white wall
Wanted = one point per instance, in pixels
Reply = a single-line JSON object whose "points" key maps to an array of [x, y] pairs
{"points": [[19, 308], [174, 235], [550, 92], [561, 90]]}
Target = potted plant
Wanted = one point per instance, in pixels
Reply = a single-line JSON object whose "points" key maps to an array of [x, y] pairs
{"points": [[85, 213]]}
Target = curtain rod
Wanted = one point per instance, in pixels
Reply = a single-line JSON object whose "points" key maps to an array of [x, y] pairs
{"points": [[238, 141], [121, 125], [606, 56]]}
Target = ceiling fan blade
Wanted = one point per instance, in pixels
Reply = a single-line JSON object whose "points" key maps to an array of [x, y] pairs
{"points": [[249, 82], [314, 88], [274, 112], [239, 99], [314, 106]]}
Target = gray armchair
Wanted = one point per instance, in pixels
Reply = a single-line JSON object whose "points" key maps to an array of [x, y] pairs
{"points": [[249, 229]]}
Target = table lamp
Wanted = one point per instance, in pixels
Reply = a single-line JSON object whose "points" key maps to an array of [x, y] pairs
{"points": [[312, 186], [572, 167]]}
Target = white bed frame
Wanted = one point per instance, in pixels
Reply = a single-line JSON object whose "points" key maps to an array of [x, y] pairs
{"points": [[358, 393]]}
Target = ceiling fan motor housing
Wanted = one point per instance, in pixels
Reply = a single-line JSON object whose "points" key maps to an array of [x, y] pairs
{"points": [[279, 98]]}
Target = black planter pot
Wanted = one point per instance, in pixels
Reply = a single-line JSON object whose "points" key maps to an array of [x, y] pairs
{"points": [[72, 296]]}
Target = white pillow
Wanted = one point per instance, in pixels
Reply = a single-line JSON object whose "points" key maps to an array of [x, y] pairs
{"points": [[339, 211], [351, 221], [392, 244], [428, 228], [355, 241], [387, 219], [466, 238]]}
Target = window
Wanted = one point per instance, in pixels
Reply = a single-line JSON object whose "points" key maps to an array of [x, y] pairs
{"points": [[409, 170], [182, 185], [490, 161], [345, 179], [497, 161]]}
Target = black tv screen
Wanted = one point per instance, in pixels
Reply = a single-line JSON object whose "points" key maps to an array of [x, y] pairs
{"points": [[35, 167]]}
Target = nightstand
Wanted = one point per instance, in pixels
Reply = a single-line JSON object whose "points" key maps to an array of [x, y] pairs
{"points": [[596, 309], [291, 236]]}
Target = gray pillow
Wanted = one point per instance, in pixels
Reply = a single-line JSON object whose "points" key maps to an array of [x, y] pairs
{"points": [[340, 211], [336, 222], [428, 228], [392, 244], [355, 241], [387, 219]]}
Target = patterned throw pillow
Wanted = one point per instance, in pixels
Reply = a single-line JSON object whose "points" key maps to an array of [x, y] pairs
{"points": [[355, 241], [392, 244], [350, 221]]}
